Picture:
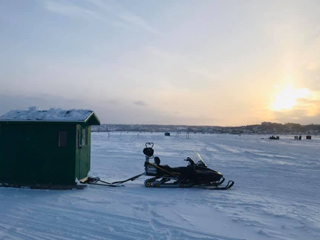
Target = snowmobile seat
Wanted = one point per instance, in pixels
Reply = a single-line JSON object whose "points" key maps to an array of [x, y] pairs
{"points": [[157, 161], [184, 172]]}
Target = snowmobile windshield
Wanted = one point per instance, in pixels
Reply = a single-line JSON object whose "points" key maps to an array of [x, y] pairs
{"points": [[199, 160]]}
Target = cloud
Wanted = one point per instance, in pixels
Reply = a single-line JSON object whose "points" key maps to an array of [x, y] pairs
{"points": [[125, 17], [102, 11], [112, 102], [311, 107], [137, 21], [313, 66], [140, 103], [306, 111], [21, 102], [183, 64], [296, 116], [71, 10]]}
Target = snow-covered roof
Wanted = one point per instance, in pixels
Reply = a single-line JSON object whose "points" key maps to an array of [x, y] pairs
{"points": [[51, 115]]}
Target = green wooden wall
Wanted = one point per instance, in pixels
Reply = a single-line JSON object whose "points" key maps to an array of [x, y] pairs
{"points": [[29, 154]]}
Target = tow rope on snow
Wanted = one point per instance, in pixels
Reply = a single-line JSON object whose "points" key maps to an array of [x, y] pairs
{"points": [[98, 181]]}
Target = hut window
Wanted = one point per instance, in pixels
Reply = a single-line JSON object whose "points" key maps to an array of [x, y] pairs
{"points": [[84, 137], [63, 139]]}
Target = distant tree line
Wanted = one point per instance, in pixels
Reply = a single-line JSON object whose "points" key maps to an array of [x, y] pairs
{"points": [[263, 128], [290, 127]]}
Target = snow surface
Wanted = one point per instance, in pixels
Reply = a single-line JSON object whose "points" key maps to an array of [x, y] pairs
{"points": [[276, 193], [53, 114]]}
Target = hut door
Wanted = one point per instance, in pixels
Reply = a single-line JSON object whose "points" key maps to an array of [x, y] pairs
{"points": [[83, 153], [78, 153]]}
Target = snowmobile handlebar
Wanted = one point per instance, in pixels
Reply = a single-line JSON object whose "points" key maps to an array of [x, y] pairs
{"points": [[190, 161]]}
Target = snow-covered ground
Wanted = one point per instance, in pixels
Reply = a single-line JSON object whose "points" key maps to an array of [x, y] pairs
{"points": [[276, 193]]}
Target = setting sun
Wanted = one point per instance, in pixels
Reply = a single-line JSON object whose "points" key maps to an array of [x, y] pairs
{"points": [[286, 99]]}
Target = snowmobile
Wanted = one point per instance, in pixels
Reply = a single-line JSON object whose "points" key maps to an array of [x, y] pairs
{"points": [[196, 174], [274, 138]]}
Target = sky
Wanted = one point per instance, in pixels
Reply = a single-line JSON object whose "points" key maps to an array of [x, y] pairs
{"points": [[192, 62]]}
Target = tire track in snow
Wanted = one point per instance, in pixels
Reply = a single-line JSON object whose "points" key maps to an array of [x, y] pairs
{"points": [[77, 224], [280, 164], [44, 222]]}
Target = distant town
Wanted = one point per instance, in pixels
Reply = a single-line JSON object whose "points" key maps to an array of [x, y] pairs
{"points": [[263, 128]]}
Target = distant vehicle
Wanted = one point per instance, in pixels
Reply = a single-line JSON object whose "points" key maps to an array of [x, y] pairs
{"points": [[167, 134], [274, 138], [308, 137]]}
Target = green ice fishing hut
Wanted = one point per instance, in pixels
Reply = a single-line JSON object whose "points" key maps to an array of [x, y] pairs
{"points": [[45, 148]]}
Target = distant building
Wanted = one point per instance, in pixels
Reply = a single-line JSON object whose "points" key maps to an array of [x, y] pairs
{"points": [[45, 148]]}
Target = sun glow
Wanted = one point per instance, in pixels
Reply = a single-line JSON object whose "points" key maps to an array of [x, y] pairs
{"points": [[286, 99]]}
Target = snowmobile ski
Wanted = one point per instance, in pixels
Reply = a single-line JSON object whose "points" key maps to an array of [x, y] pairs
{"points": [[153, 182], [216, 187]]}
